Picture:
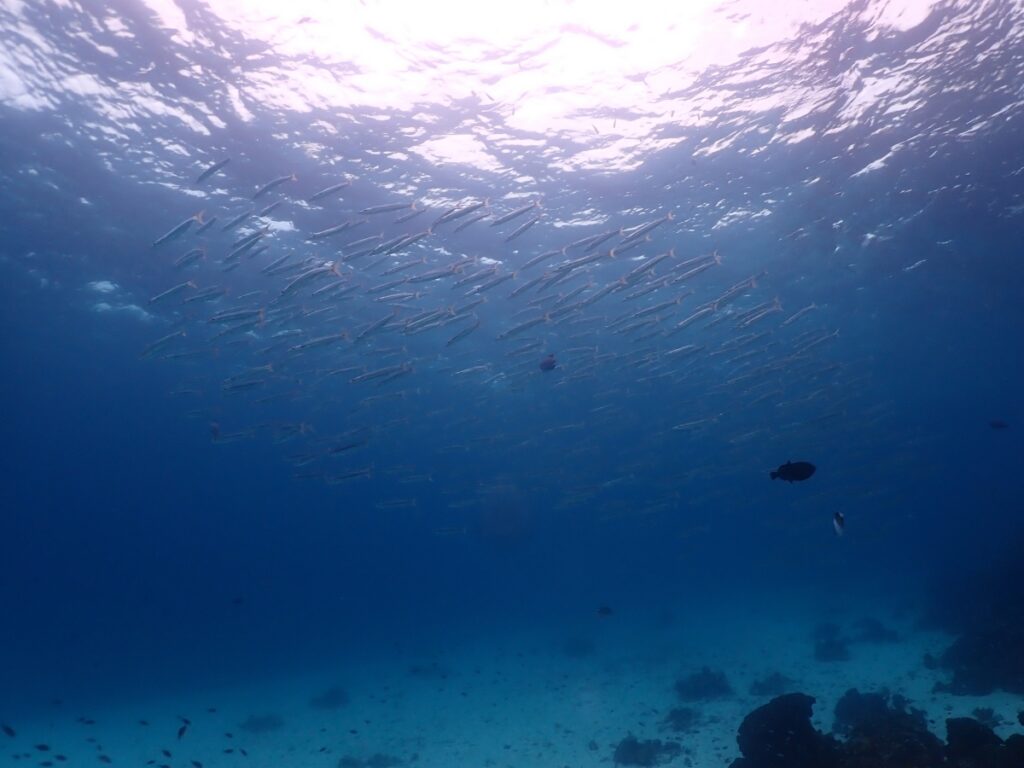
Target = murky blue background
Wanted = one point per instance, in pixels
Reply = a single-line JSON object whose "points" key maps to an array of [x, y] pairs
{"points": [[864, 158]]}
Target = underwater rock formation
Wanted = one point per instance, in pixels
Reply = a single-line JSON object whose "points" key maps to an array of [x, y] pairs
{"points": [[877, 731], [985, 659], [780, 735], [881, 731], [632, 751], [704, 685], [986, 612]]}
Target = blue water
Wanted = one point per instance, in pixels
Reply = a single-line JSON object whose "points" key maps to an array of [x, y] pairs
{"points": [[867, 163]]}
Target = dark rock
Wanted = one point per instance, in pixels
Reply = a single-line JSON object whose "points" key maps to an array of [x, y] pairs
{"points": [[871, 630], [332, 698], [881, 731], [632, 751], [257, 724], [780, 735], [971, 743], [775, 684], [704, 685], [682, 719], [1013, 751], [984, 660], [987, 717], [829, 644]]}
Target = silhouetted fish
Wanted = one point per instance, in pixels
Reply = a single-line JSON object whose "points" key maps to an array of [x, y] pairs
{"points": [[604, 610], [793, 471], [998, 424], [8, 730]]}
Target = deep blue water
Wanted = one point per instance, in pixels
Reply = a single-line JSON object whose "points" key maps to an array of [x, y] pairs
{"points": [[137, 554]]}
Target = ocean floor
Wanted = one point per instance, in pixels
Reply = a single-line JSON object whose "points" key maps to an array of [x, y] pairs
{"points": [[537, 697]]}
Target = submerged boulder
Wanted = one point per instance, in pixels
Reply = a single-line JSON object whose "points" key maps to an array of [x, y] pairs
{"points": [[780, 735], [881, 730]]}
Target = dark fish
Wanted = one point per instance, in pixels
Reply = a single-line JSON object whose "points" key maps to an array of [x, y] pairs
{"points": [[548, 363], [165, 752], [998, 424], [604, 610], [105, 759], [839, 523], [212, 170], [793, 471], [43, 747], [143, 722], [274, 184], [196, 764], [8, 730], [181, 731]]}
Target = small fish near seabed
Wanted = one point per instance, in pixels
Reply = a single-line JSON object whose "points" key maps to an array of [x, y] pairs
{"points": [[793, 471]]}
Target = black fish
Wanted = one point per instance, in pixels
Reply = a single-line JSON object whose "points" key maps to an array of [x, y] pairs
{"points": [[8, 730], [998, 424], [181, 731], [793, 471], [604, 610]]}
